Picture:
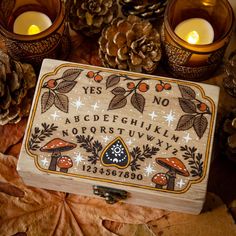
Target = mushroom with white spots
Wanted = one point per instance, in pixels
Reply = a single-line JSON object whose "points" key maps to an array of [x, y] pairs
{"points": [[64, 163], [56, 146], [160, 180], [174, 166]]}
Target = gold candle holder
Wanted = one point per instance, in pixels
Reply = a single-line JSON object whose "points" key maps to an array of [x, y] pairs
{"points": [[47, 38], [188, 60]]}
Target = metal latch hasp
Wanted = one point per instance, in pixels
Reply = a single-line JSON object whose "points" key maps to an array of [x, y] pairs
{"points": [[111, 195]]}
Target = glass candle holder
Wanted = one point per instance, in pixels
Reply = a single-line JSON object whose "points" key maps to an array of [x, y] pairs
{"points": [[32, 46], [193, 61]]}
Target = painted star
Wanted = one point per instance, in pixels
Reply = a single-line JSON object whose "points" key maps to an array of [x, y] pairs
{"points": [[187, 138], [95, 106], [44, 161], [78, 159], [129, 142], [78, 103], [105, 139], [153, 115], [149, 170], [55, 116], [169, 118], [180, 184]]}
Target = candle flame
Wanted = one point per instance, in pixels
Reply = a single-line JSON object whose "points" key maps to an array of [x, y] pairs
{"points": [[193, 37], [33, 29]]}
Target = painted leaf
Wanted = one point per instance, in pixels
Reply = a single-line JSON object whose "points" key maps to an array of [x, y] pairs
{"points": [[47, 100], [65, 86], [187, 92], [200, 125], [117, 102], [118, 91], [187, 105], [138, 101], [112, 80], [185, 122], [71, 74], [62, 102]]}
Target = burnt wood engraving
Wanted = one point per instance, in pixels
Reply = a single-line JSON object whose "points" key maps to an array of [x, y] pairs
{"points": [[139, 154], [121, 128], [196, 112], [134, 89], [194, 160], [39, 135], [91, 146], [56, 146], [57, 90], [116, 154]]}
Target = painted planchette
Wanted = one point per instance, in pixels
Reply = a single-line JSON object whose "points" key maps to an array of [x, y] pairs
{"points": [[116, 154]]}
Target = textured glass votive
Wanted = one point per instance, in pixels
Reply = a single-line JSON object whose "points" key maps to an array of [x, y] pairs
{"points": [[189, 60], [39, 41]]}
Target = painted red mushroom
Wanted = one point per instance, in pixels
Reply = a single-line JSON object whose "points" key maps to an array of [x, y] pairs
{"points": [[64, 163], [56, 146], [160, 180], [174, 166]]}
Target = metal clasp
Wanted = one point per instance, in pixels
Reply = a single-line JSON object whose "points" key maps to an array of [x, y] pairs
{"points": [[111, 195]]}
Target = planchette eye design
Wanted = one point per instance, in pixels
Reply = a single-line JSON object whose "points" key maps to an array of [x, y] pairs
{"points": [[116, 154]]}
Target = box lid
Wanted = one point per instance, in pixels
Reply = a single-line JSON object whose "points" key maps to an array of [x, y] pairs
{"points": [[130, 130]]}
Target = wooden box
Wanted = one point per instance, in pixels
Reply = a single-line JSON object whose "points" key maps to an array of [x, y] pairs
{"points": [[124, 136]]}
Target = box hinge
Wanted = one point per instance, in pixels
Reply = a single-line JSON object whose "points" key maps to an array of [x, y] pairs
{"points": [[111, 195]]}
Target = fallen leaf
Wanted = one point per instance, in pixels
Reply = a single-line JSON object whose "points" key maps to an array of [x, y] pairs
{"points": [[14, 150], [123, 229], [214, 220], [11, 134], [35, 211]]}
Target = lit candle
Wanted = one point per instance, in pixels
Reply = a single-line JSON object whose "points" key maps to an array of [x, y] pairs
{"points": [[31, 22], [195, 31]]}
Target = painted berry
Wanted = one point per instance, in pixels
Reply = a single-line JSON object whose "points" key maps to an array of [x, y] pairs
{"points": [[52, 83], [98, 78], [202, 107], [167, 86], [159, 87], [143, 87], [90, 74], [130, 85]]}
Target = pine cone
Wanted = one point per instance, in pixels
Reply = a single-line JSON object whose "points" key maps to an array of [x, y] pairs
{"points": [[17, 82], [131, 44], [228, 136], [230, 81], [148, 9], [90, 16]]}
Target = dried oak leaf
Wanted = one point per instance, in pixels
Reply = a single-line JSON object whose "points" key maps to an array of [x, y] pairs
{"points": [[214, 220], [11, 134], [14, 150], [37, 211]]}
